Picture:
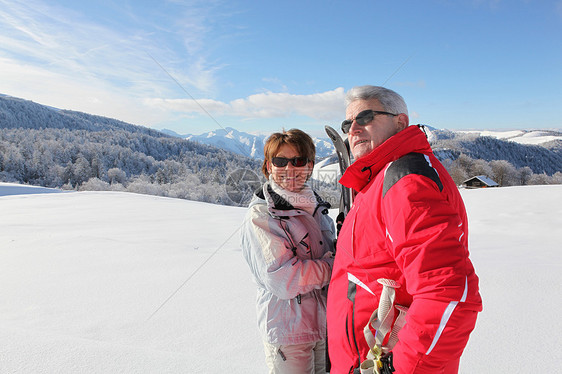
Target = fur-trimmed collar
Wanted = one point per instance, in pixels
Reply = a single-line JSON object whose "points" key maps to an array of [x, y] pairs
{"points": [[280, 207]]}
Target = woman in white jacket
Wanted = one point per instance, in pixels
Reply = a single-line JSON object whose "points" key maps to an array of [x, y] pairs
{"points": [[287, 240]]}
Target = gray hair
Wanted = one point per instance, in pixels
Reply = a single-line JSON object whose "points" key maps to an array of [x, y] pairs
{"points": [[390, 100]]}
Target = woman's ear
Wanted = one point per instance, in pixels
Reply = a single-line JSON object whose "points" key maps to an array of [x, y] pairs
{"points": [[311, 166], [269, 167]]}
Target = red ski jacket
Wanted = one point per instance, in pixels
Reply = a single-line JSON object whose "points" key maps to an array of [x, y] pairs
{"points": [[408, 223]]}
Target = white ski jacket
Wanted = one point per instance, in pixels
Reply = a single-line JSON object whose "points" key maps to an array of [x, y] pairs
{"points": [[286, 248]]}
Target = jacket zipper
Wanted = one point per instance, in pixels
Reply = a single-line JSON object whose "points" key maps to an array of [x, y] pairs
{"points": [[352, 340]]}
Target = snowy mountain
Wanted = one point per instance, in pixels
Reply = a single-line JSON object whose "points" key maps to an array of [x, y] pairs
{"points": [[45, 146], [247, 144], [535, 137], [230, 139], [544, 138], [540, 150], [16, 113], [113, 282]]}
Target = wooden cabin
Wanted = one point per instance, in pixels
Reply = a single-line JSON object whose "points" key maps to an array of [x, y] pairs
{"points": [[479, 181]]}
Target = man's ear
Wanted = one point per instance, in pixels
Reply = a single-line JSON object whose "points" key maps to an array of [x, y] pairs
{"points": [[402, 121]]}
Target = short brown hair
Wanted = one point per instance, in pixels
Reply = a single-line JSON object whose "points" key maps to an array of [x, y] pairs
{"points": [[300, 140]]}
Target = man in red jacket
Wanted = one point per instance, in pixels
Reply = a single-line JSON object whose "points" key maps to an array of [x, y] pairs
{"points": [[407, 225]]}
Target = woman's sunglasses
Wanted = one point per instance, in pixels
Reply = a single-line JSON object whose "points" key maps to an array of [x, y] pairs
{"points": [[362, 119], [297, 162]]}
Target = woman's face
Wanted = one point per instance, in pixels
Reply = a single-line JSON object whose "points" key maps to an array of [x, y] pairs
{"points": [[289, 177]]}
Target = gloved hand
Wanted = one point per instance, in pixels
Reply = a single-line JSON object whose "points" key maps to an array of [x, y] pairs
{"points": [[339, 222], [329, 258]]}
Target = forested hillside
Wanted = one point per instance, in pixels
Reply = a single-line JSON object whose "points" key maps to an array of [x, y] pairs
{"points": [[49, 147], [57, 148], [546, 158], [508, 163]]}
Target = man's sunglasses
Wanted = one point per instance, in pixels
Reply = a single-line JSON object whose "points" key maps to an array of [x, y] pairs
{"points": [[362, 119], [281, 162]]}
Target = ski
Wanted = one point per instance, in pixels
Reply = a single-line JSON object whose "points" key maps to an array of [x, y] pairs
{"points": [[344, 160]]}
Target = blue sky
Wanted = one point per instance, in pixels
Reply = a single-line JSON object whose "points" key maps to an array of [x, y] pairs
{"points": [[260, 66]]}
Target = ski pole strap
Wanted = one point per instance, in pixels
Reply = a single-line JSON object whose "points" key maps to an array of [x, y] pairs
{"points": [[382, 318], [398, 324], [370, 367], [386, 308], [381, 321], [383, 365], [369, 337]]}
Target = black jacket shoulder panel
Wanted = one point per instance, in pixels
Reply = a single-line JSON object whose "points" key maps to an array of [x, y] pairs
{"points": [[259, 193], [412, 163]]}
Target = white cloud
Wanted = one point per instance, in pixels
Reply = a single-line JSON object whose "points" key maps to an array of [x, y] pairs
{"points": [[75, 93], [73, 60], [55, 53], [327, 105]]}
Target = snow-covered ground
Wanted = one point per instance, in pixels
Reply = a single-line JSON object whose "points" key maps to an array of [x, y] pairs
{"points": [[111, 282], [534, 137]]}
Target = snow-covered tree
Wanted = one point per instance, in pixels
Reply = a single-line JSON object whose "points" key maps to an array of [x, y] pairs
{"points": [[116, 175], [503, 172], [95, 184]]}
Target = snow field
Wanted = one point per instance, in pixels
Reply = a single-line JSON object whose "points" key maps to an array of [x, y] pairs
{"points": [[111, 282]]}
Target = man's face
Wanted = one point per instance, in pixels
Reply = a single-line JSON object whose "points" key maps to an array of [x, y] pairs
{"points": [[363, 139]]}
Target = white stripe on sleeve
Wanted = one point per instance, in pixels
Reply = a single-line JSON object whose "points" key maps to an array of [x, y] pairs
{"points": [[446, 315]]}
